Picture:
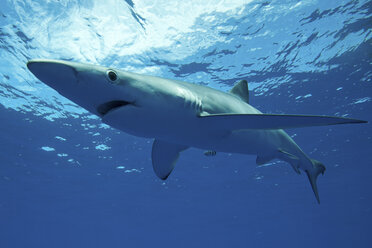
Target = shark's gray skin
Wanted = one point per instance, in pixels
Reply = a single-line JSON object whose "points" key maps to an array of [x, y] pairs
{"points": [[179, 115]]}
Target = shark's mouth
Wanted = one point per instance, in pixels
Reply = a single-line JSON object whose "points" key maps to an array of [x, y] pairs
{"points": [[107, 107]]}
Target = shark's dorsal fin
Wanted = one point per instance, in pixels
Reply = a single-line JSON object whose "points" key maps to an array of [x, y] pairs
{"points": [[241, 90], [164, 157]]}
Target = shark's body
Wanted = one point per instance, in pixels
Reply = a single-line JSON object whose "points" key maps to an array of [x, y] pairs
{"points": [[179, 115]]}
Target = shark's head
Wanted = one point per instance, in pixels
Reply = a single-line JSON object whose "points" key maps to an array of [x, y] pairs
{"points": [[96, 88], [127, 101]]}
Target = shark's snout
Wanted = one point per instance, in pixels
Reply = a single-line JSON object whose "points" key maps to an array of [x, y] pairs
{"points": [[91, 87], [57, 74]]}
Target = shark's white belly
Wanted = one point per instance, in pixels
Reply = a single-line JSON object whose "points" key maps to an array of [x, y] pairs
{"points": [[189, 130]]}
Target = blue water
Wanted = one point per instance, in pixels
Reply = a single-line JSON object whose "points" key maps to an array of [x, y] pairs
{"points": [[66, 180]]}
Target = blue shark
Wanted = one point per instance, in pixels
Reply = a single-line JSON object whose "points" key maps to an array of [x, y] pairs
{"points": [[179, 115]]}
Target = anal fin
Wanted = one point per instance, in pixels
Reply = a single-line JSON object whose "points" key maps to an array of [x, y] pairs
{"points": [[164, 157], [291, 159]]}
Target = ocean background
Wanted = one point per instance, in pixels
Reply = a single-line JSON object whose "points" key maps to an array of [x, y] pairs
{"points": [[67, 180]]}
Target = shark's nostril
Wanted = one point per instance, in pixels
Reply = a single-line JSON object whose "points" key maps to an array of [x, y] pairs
{"points": [[104, 108]]}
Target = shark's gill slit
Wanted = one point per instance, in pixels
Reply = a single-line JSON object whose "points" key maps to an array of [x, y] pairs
{"points": [[104, 108]]}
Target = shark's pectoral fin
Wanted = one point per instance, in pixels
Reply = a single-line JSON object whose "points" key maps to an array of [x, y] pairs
{"points": [[164, 157], [270, 121]]}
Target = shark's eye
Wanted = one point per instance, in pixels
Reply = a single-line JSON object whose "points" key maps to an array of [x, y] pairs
{"points": [[112, 75]]}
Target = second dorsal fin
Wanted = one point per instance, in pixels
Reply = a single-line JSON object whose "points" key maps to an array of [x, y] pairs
{"points": [[241, 90]]}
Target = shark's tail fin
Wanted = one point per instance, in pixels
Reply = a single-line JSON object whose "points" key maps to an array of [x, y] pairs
{"points": [[313, 173]]}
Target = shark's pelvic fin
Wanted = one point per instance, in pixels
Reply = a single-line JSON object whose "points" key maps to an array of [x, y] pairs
{"points": [[313, 175], [164, 157], [271, 121], [260, 160], [241, 90]]}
